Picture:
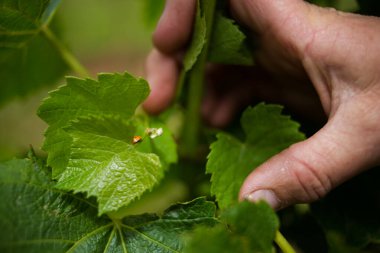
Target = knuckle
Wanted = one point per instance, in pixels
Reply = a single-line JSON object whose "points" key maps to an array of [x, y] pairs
{"points": [[313, 182]]}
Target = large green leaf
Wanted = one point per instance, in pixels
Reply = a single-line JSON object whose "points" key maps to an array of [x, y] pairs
{"points": [[27, 60], [90, 140], [114, 95], [231, 160], [246, 227], [36, 217]]}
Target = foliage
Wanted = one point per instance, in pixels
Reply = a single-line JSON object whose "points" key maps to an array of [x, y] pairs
{"points": [[89, 140], [58, 221], [231, 160], [233, 234], [28, 60], [103, 153]]}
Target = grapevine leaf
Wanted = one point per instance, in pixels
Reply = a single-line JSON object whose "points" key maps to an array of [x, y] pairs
{"points": [[258, 222], [110, 169], [90, 140], [36, 217], [228, 43], [248, 227], [199, 37], [215, 240], [231, 160], [114, 95], [27, 60]]}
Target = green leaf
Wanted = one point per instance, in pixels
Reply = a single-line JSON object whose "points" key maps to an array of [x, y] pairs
{"points": [[216, 240], [231, 160], [36, 217], [256, 221], [110, 169], [114, 95], [27, 60], [198, 40], [248, 227], [89, 140], [228, 43]]}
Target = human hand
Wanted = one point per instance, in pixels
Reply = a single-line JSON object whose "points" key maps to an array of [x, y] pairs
{"points": [[338, 53]]}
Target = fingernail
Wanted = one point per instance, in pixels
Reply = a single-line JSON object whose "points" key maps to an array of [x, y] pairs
{"points": [[266, 195]]}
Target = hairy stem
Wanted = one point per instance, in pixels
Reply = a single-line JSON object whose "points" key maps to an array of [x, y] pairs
{"points": [[195, 80], [283, 243], [67, 56]]}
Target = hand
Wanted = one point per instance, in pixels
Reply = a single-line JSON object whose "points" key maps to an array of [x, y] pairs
{"points": [[302, 46]]}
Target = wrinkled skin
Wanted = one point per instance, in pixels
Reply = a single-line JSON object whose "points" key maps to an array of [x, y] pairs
{"points": [[314, 60]]}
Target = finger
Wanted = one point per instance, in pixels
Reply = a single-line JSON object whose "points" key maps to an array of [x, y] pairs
{"points": [[175, 25], [308, 170], [162, 74], [223, 112]]}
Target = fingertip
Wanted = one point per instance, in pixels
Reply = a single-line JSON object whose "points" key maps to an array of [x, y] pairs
{"points": [[174, 28], [162, 74]]}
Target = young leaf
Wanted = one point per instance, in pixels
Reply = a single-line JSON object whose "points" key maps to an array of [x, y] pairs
{"points": [[248, 227], [216, 240], [27, 60], [114, 95], [228, 43], [90, 140], [256, 221], [36, 217], [110, 169], [231, 160]]}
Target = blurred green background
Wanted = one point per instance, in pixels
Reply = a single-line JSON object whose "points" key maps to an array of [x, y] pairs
{"points": [[106, 36]]}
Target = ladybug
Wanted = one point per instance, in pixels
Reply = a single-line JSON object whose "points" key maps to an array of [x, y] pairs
{"points": [[136, 139]]}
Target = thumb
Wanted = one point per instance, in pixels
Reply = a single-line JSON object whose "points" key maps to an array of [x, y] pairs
{"points": [[308, 170]]}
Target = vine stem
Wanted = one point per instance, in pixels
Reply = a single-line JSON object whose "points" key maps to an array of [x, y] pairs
{"points": [[67, 56], [283, 243], [195, 94]]}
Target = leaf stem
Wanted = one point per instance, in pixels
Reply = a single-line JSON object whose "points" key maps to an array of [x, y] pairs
{"points": [[67, 56], [195, 80], [283, 243]]}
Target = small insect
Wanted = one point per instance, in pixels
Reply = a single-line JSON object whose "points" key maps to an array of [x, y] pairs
{"points": [[136, 139]]}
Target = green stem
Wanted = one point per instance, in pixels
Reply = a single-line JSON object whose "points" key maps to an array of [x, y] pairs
{"points": [[67, 56], [283, 243], [195, 80]]}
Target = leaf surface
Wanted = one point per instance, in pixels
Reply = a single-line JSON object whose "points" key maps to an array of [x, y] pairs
{"points": [[228, 43], [245, 227], [199, 36], [27, 60], [36, 217], [89, 140], [114, 95], [256, 221], [267, 132]]}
